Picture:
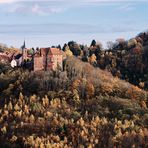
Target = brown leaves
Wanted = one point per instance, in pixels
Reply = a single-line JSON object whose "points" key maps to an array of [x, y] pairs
{"points": [[106, 88], [134, 92], [92, 59], [84, 87]]}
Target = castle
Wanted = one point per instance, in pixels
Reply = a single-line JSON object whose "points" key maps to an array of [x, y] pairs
{"points": [[42, 59], [47, 59]]}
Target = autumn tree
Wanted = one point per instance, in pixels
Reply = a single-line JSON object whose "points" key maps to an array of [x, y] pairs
{"points": [[75, 48], [68, 52], [84, 88], [92, 60]]}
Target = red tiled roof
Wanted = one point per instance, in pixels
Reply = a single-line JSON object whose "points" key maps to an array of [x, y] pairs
{"points": [[55, 51], [44, 51]]}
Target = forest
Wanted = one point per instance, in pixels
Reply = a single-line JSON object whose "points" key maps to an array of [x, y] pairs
{"points": [[126, 59], [99, 99]]}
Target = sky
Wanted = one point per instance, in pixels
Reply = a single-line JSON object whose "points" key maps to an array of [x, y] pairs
{"points": [[43, 23]]}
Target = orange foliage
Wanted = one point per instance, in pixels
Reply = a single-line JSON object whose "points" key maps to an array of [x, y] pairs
{"points": [[134, 92]]}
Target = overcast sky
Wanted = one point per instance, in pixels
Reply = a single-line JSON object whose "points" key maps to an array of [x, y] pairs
{"points": [[50, 22]]}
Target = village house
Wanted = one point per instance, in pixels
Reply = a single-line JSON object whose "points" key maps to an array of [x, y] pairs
{"points": [[16, 60], [48, 59], [43, 59], [20, 58], [13, 63]]}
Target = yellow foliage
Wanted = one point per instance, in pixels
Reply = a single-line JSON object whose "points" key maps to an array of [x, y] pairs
{"points": [[45, 101], [68, 52], [13, 139], [4, 130], [80, 122], [33, 98], [32, 118], [10, 107], [48, 114], [92, 59], [16, 107], [26, 109], [21, 97], [132, 42]]}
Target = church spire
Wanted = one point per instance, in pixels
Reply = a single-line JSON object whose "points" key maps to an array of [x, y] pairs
{"points": [[24, 45]]}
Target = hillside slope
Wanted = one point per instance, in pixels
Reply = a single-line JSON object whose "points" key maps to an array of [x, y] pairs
{"points": [[130, 60], [127, 59], [81, 106]]}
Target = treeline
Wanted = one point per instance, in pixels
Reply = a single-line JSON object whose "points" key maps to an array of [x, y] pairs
{"points": [[127, 60]]}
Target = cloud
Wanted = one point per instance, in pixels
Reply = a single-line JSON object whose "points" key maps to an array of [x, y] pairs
{"points": [[126, 8], [37, 8], [46, 7], [7, 1]]}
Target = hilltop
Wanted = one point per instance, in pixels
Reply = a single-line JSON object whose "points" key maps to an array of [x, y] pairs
{"points": [[126, 59]]}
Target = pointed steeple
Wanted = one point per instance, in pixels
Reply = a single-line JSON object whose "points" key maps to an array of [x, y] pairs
{"points": [[24, 45]]}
